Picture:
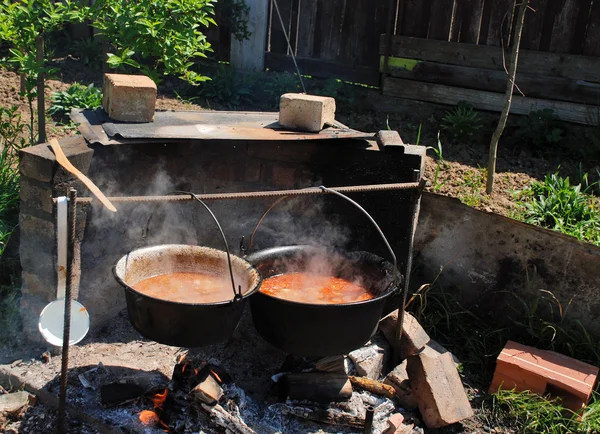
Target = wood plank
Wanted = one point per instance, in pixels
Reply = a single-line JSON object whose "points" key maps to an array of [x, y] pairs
{"points": [[500, 24], [591, 45], [563, 31], [481, 56], [324, 69], [415, 19], [489, 101], [441, 19], [330, 15], [534, 22], [306, 28], [535, 86], [468, 21], [278, 44]]}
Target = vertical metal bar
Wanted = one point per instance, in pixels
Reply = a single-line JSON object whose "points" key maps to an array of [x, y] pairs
{"points": [[370, 412], [71, 275], [411, 237]]}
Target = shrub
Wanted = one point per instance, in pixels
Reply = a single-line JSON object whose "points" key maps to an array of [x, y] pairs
{"points": [[229, 88], [88, 50], [76, 96], [538, 129], [558, 205], [157, 37], [461, 124]]}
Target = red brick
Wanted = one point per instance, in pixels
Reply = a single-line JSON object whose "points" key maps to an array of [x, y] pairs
{"points": [[527, 368], [414, 337]]}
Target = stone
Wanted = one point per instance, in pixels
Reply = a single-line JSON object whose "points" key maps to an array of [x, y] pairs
{"points": [[306, 112], [388, 138], [36, 196], [414, 337], [13, 402], [438, 387], [129, 98], [370, 359], [399, 380]]}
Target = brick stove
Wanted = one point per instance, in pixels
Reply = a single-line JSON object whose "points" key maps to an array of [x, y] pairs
{"points": [[154, 166]]}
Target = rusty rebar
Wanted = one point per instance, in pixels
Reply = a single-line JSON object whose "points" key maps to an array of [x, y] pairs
{"points": [[411, 236], [369, 413], [71, 276], [257, 194]]}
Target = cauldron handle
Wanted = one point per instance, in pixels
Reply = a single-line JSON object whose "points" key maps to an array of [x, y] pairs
{"points": [[395, 281], [237, 295]]}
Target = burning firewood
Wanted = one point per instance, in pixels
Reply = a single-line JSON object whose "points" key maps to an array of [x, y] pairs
{"points": [[208, 391], [373, 386], [317, 386]]}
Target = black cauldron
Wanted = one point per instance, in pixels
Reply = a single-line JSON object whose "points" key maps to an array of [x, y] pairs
{"points": [[318, 330], [184, 324]]}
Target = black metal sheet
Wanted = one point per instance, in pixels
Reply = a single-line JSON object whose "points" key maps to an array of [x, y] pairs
{"points": [[96, 127]]}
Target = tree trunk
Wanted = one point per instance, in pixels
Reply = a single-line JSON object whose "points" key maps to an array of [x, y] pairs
{"points": [[512, 73], [41, 109]]}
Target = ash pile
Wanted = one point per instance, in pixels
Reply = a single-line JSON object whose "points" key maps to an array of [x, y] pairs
{"points": [[355, 393]]}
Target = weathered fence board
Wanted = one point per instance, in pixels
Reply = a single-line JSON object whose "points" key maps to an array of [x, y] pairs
{"points": [[534, 23], [482, 56], [482, 100], [591, 43], [531, 85], [468, 21]]}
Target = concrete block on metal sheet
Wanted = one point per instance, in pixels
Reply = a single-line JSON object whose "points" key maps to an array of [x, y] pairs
{"points": [[129, 98], [309, 113]]}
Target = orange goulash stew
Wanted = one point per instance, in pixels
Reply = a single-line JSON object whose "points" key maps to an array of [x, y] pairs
{"points": [[187, 287], [308, 288]]}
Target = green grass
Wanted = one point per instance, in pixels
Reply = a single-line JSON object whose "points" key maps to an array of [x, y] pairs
{"points": [[477, 338], [558, 205]]}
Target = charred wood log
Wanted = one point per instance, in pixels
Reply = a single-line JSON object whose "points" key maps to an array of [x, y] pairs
{"points": [[330, 416], [317, 386], [229, 422]]}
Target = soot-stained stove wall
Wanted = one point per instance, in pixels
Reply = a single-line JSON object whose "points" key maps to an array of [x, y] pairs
{"points": [[204, 167]]}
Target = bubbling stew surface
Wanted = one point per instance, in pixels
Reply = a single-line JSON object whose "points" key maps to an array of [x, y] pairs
{"points": [[314, 289], [187, 287]]}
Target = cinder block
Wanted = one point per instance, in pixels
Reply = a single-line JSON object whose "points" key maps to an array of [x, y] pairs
{"points": [[414, 337], [129, 98], [526, 368], [306, 112], [438, 388]]}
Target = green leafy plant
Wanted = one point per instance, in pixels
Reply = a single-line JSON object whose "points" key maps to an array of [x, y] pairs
{"points": [[229, 88], [88, 50], [236, 17], [76, 96], [538, 129], [438, 151], [461, 124], [278, 83], [558, 205], [158, 37], [12, 139], [24, 25], [472, 186]]}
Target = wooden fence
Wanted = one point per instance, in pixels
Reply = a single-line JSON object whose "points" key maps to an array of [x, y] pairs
{"points": [[448, 50]]}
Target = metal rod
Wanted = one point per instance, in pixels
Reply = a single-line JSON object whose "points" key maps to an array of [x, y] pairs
{"points": [[258, 194], [369, 413], [64, 367], [400, 323]]}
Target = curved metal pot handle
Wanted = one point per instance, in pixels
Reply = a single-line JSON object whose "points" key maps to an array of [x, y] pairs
{"points": [[337, 193], [236, 294]]}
